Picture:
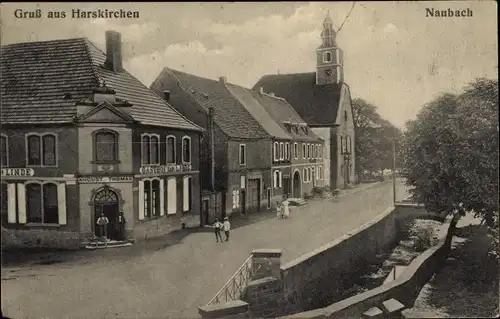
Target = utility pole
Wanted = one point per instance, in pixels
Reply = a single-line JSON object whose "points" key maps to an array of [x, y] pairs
{"points": [[394, 170]]}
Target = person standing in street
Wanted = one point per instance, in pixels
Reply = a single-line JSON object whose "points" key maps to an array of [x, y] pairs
{"points": [[279, 210], [286, 209], [217, 229], [227, 228]]}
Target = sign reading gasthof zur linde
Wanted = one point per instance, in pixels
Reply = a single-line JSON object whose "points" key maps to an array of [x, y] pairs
{"points": [[20, 172], [164, 169]]}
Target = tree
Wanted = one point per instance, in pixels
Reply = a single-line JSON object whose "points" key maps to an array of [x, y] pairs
{"points": [[373, 138], [450, 152]]}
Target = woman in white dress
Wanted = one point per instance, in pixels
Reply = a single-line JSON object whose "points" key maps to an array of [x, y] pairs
{"points": [[286, 209]]}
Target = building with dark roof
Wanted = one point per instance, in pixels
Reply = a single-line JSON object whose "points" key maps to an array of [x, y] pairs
{"points": [[247, 151], [82, 137], [323, 100]]}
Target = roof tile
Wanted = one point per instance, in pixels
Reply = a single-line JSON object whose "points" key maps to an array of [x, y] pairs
{"points": [[42, 81], [316, 104]]}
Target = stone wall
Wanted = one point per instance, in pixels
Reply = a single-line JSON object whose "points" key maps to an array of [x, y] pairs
{"points": [[316, 279], [39, 238], [405, 288]]}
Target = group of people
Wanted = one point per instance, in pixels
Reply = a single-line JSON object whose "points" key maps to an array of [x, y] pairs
{"points": [[219, 227], [119, 227], [282, 210]]}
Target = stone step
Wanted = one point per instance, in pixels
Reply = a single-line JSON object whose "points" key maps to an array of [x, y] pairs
{"points": [[297, 201], [109, 244]]}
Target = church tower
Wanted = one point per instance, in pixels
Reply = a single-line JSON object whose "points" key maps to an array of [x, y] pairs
{"points": [[329, 58]]}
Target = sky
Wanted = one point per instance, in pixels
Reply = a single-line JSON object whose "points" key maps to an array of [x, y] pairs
{"points": [[395, 57]]}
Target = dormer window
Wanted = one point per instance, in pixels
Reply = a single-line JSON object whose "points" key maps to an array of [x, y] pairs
{"points": [[327, 57]]}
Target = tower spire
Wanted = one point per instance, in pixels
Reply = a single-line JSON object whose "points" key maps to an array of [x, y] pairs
{"points": [[328, 33], [329, 66]]}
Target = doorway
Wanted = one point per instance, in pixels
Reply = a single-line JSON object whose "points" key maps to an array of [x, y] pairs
{"points": [[243, 201], [204, 211], [296, 185], [106, 202]]}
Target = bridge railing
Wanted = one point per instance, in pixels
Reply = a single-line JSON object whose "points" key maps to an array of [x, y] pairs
{"points": [[235, 286]]}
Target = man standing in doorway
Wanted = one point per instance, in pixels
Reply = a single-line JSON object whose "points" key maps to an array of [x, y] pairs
{"points": [[227, 228], [103, 222]]}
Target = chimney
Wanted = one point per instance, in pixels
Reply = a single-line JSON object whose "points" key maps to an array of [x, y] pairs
{"points": [[166, 95], [223, 79], [113, 51], [261, 90]]}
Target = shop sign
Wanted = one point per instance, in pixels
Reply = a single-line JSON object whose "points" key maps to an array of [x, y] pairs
{"points": [[21, 172], [104, 179], [164, 169]]}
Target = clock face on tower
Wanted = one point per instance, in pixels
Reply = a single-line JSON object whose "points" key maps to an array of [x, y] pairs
{"points": [[328, 72]]}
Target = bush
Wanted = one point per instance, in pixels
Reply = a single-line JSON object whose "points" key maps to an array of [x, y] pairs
{"points": [[423, 239]]}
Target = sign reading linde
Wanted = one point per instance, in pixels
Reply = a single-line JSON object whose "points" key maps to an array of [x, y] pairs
{"points": [[105, 179], [163, 169], [21, 172]]}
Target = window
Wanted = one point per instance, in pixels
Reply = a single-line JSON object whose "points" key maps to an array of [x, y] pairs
{"points": [[41, 203], [243, 154], [186, 149], [320, 151], [304, 175], [345, 115], [171, 155], [236, 199], [320, 173], [287, 151], [304, 150], [278, 179], [275, 151], [349, 145], [282, 151], [296, 150], [313, 173], [308, 150], [150, 149], [5, 151], [152, 198], [105, 146], [327, 57], [268, 198], [311, 150], [41, 149]]}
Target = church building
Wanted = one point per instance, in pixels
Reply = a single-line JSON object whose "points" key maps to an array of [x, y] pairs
{"points": [[323, 100]]}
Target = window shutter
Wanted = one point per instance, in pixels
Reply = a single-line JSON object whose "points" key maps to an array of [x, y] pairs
{"points": [[141, 200], [61, 203], [21, 203], [162, 197], [11, 204], [185, 194], [172, 195]]}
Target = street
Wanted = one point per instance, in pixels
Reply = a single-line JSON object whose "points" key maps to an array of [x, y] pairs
{"points": [[173, 281]]}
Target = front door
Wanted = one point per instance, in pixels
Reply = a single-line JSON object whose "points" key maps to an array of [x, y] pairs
{"points": [[106, 203], [254, 194], [296, 185], [243, 201], [204, 210]]}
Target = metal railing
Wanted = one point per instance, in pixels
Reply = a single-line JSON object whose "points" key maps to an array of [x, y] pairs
{"points": [[235, 286]]}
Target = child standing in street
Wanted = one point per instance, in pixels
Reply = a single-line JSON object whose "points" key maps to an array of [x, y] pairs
{"points": [[217, 228], [279, 210], [227, 228]]}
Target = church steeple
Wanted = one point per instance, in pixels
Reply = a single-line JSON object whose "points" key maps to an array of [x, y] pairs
{"points": [[329, 65]]}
